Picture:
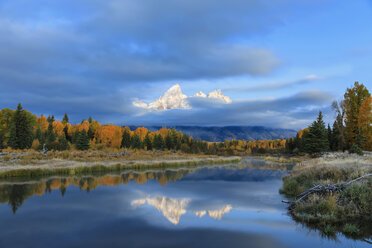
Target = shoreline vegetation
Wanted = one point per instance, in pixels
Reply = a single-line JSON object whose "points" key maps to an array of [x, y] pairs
{"points": [[337, 207], [66, 163]]}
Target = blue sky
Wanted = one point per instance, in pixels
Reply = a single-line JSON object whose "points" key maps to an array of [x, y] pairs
{"points": [[279, 61]]}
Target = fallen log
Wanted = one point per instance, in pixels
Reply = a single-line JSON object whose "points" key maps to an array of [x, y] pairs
{"points": [[321, 189]]}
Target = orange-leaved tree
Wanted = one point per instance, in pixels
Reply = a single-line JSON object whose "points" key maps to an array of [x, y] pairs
{"points": [[109, 135]]}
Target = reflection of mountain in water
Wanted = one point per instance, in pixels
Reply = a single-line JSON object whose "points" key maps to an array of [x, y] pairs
{"points": [[173, 208], [16, 192], [215, 214]]}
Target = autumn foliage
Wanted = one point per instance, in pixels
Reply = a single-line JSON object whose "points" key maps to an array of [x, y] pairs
{"points": [[109, 135]]}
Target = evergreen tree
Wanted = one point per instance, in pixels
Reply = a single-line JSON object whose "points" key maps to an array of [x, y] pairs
{"points": [[63, 143], [330, 137], [82, 140], [75, 137], [185, 139], [65, 131], [50, 136], [335, 134], [176, 139], [2, 140], [158, 142], [316, 139], [21, 133], [339, 143], [126, 141], [90, 119], [136, 142], [50, 119], [65, 119], [90, 133], [148, 142], [169, 142], [40, 136]]}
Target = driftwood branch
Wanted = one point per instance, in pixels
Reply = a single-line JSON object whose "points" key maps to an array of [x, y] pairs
{"points": [[367, 241], [321, 189]]}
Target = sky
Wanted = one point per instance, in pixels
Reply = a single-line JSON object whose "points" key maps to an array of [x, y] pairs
{"points": [[280, 62]]}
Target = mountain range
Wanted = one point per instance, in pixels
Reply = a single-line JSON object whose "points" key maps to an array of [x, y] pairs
{"points": [[218, 134], [173, 98]]}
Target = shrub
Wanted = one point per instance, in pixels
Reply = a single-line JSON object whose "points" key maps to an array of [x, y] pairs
{"points": [[356, 149], [35, 144], [350, 229]]}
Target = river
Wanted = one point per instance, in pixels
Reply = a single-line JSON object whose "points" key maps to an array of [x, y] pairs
{"points": [[233, 205]]}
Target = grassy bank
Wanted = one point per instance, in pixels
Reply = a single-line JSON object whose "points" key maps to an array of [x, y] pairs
{"points": [[348, 211], [87, 168], [284, 159]]}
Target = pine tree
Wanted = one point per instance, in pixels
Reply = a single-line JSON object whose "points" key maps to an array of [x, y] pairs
{"points": [[339, 142], [65, 131], [158, 142], [82, 140], [40, 137], [126, 141], [90, 119], [90, 133], [136, 142], [75, 137], [2, 140], [21, 133], [330, 137], [50, 119], [65, 119], [148, 142], [316, 139], [169, 142], [50, 136], [63, 143]]}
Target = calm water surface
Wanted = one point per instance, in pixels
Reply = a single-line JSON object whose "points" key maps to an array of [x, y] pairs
{"points": [[212, 206]]}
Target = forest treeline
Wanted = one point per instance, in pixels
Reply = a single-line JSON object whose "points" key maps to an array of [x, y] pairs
{"points": [[20, 129], [351, 130]]}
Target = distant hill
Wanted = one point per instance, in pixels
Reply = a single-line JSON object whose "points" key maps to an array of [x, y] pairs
{"points": [[215, 134]]}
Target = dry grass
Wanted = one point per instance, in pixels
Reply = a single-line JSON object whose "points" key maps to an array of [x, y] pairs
{"points": [[282, 159], [30, 162], [340, 212], [24, 157]]}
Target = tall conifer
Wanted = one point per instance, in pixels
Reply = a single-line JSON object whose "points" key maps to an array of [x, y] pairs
{"points": [[21, 133]]}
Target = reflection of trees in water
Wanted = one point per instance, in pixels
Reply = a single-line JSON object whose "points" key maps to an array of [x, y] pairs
{"points": [[15, 194], [330, 230]]}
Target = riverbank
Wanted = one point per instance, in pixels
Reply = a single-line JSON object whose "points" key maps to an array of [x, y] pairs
{"points": [[25, 164], [343, 208]]}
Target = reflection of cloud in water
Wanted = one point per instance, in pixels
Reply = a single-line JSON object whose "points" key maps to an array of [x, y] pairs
{"points": [[173, 208]]}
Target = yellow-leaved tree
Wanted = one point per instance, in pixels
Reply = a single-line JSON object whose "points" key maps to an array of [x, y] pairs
{"points": [[365, 124]]}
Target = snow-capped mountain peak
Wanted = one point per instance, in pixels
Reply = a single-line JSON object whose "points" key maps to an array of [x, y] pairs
{"points": [[200, 94], [173, 98], [218, 94]]}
